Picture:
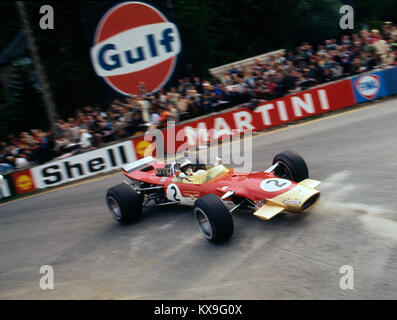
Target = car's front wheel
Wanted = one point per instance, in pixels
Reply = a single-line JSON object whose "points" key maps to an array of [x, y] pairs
{"points": [[124, 203], [213, 218], [291, 166]]}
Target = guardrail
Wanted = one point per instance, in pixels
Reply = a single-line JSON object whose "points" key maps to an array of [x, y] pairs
{"points": [[320, 99]]}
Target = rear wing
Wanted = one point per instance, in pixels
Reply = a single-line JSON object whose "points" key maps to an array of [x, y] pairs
{"points": [[139, 164]]}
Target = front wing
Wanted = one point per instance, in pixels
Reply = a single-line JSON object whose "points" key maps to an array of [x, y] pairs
{"points": [[295, 200]]}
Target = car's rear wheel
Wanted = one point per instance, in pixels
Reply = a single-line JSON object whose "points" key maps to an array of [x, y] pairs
{"points": [[291, 166], [213, 218], [124, 203]]}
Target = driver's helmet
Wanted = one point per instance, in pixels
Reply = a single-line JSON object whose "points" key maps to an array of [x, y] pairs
{"points": [[185, 165]]}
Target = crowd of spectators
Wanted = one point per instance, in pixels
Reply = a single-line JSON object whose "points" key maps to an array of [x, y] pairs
{"points": [[294, 71], [284, 73]]}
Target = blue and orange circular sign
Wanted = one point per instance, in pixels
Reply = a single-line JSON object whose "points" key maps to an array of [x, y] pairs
{"points": [[135, 44]]}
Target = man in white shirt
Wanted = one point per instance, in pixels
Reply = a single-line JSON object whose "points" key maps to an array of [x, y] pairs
{"points": [[85, 138]]}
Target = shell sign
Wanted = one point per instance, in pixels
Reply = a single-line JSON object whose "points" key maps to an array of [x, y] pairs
{"points": [[23, 182], [134, 43]]}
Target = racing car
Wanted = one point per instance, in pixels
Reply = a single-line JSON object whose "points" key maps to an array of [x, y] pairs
{"points": [[215, 191]]}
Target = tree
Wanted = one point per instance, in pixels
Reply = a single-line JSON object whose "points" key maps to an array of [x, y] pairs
{"points": [[22, 108], [219, 32]]}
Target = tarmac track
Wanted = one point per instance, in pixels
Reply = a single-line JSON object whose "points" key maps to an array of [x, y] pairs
{"points": [[164, 256]]}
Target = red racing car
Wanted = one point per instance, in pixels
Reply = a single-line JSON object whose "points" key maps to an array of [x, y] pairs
{"points": [[215, 191]]}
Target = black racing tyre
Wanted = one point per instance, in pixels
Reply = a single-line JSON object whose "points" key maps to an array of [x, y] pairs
{"points": [[124, 203], [213, 218], [291, 166]]}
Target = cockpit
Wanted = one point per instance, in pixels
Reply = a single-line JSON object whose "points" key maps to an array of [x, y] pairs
{"points": [[200, 176]]}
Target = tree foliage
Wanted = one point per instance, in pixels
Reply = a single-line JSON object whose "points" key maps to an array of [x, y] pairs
{"points": [[22, 108]]}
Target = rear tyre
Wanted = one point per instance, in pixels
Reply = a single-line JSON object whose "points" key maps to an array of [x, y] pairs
{"points": [[124, 203], [213, 218], [291, 166]]}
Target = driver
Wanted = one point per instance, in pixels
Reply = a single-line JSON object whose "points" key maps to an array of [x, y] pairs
{"points": [[187, 173]]}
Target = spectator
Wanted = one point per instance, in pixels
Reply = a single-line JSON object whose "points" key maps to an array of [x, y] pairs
{"points": [[356, 65], [336, 70], [137, 123], [388, 58], [21, 160], [72, 130], [380, 45], [154, 119], [290, 80], [173, 113], [198, 85], [86, 139]]}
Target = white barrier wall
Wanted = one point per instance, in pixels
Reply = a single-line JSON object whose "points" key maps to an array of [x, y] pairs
{"points": [[85, 165], [5, 189]]}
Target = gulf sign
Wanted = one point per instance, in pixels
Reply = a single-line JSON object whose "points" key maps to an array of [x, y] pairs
{"points": [[368, 87], [135, 43]]}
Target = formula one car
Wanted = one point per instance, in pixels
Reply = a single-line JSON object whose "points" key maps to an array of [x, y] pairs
{"points": [[215, 191]]}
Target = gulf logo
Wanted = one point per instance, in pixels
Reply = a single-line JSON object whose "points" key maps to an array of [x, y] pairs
{"points": [[135, 44], [368, 86]]}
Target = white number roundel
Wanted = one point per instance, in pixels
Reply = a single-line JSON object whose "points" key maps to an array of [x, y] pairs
{"points": [[173, 193], [274, 184]]}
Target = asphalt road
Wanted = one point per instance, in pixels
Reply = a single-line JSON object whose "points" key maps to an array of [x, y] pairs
{"points": [[165, 257]]}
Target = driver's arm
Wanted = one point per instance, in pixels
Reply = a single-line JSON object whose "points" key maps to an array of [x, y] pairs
{"points": [[182, 178]]}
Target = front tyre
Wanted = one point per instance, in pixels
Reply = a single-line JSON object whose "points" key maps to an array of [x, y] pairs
{"points": [[291, 166], [124, 203], [213, 218]]}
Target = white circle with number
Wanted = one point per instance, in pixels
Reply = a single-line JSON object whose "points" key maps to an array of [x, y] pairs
{"points": [[173, 193], [275, 184]]}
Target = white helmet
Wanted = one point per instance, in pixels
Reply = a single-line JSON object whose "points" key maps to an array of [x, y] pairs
{"points": [[185, 164]]}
